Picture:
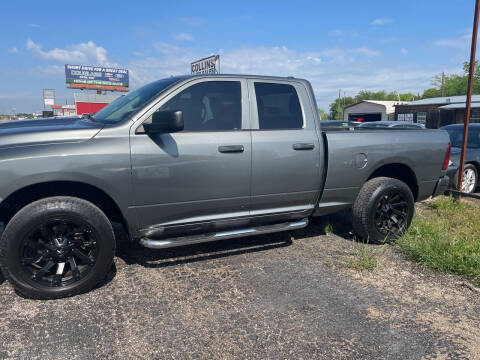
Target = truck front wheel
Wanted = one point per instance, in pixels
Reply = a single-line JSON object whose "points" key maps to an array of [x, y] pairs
{"points": [[383, 210], [57, 247]]}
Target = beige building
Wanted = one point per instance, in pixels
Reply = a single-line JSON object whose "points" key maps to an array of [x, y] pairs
{"points": [[371, 110]]}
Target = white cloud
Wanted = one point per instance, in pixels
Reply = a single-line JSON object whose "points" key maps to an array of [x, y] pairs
{"points": [[366, 51], [183, 37], [403, 51], [13, 50], [381, 21], [328, 69], [34, 25], [455, 42], [50, 71], [342, 32], [336, 32], [87, 52], [192, 21], [352, 69]]}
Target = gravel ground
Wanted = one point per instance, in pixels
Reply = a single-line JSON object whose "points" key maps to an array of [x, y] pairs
{"points": [[281, 296]]}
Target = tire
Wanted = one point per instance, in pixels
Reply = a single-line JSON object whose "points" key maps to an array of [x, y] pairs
{"points": [[57, 230], [383, 210], [470, 179]]}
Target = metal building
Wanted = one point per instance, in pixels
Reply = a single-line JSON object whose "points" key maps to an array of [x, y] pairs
{"points": [[438, 112], [370, 110]]}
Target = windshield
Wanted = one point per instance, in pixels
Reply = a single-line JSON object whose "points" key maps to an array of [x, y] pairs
{"points": [[456, 136], [127, 105]]}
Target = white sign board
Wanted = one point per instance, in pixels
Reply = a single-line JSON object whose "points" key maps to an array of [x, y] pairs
{"points": [[47, 102], [208, 65]]}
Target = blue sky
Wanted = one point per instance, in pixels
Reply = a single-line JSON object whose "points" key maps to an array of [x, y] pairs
{"points": [[352, 45]]}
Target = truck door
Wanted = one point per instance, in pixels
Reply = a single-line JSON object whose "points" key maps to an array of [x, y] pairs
{"points": [[286, 152], [201, 174]]}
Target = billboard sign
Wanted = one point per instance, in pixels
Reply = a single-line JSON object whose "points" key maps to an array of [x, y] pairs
{"points": [[48, 96], [208, 65], [96, 77]]}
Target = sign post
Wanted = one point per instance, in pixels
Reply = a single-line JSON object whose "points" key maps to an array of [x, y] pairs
{"points": [[469, 95], [208, 65]]}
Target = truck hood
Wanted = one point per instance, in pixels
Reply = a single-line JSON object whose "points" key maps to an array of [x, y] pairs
{"points": [[47, 131]]}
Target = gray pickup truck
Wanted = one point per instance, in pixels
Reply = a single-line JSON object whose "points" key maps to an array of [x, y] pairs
{"points": [[192, 159]]}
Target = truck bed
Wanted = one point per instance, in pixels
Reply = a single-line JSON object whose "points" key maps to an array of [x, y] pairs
{"points": [[354, 155]]}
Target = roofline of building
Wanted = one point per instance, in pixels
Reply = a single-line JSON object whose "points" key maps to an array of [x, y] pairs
{"points": [[376, 102]]}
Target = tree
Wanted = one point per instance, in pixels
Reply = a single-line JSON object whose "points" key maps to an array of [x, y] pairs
{"points": [[25, 115], [454, 84], [383, 95], [323, 114], [336, 108], [431, 93]]}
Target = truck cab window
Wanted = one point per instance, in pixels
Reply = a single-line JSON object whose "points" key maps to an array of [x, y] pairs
{"points": [[209, 106], [278, 106]]}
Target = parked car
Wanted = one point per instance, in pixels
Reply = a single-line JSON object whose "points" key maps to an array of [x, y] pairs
{"points": [[338, 124], [191, 159], [392, 124], [472, 158]]}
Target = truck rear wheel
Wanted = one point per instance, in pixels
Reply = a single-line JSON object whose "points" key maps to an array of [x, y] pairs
{"points": [[383, 210], [57, 247]]}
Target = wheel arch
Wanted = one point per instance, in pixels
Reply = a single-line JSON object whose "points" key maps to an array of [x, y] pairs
{"points": [[28, 194], [400, 172], [476, 164]]}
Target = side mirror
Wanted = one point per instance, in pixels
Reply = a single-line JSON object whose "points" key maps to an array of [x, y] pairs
{"points": [[165, 122]]}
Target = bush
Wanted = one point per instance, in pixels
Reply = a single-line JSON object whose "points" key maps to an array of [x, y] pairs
{"points": [[446, 238]]}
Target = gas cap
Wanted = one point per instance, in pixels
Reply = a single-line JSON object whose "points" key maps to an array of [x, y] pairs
{"points": [[361, 161]]}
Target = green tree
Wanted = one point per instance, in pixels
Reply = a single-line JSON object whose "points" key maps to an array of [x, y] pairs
{"points": [[454, 84], [431, 93], [25, 115], [383, 95], [323, 114], [336, 108]]}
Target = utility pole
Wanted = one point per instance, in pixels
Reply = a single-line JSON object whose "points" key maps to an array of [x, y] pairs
{"points": [[340, 109], [469, 95], [443, 84]]}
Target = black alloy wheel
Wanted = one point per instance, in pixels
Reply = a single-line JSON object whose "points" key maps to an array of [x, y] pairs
{"points": [[59, 252], [392, 213], [383, 210], [57, 247]]}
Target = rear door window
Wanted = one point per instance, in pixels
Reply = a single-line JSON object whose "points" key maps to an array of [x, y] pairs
{"points": [[278, 106]]}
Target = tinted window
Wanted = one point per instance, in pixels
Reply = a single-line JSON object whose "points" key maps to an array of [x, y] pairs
{"points": [[278, 106], [128, 105], [456, 136], [209, 106]]}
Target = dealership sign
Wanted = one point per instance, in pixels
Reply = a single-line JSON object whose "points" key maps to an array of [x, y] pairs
{"points": [[208, 65], [95, 77]]}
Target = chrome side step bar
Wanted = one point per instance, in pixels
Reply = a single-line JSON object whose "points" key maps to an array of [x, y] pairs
{"points": [[224, 235]]}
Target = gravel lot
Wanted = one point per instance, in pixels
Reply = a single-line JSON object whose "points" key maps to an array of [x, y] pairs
{"points": [[281, 296]]}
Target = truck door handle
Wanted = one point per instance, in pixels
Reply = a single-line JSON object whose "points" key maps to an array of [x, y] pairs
{"points": [[303, 146], [231, 148]]}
